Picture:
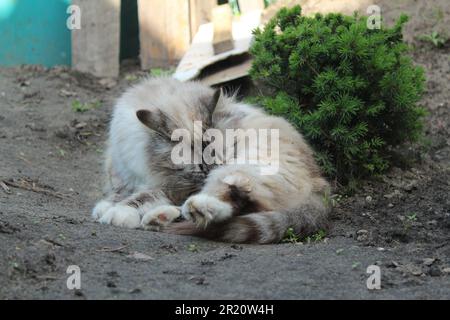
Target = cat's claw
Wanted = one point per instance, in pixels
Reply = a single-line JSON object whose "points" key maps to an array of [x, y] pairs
{"points": [[160, 217], [203, 209]]}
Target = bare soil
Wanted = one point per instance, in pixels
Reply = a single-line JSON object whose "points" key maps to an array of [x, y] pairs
{"points": [[51, 176]]}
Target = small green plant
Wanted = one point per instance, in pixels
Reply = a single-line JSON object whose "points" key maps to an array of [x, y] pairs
{"points": [[290, 236], [412, 217], [434, 38], [193, 247], [61, 152], [159, 72], [80, 107], [316, 237], [131, 77], [408, 221], [335, 199], [352, 91]]}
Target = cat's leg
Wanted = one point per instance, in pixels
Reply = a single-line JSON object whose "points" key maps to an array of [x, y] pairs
{"points": [[227, 193], [114, 187], [148, 209]]}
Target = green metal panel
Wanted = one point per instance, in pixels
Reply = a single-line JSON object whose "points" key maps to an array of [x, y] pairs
{"points": [[34, 32], [129, 35]]}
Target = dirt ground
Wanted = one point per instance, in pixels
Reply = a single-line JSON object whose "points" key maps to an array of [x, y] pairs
{"points": [[51, 173]]}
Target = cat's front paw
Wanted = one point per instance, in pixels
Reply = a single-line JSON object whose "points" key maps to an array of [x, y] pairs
{"points": [[203, 209], [160, 217], [122, 216], [101, 208]]}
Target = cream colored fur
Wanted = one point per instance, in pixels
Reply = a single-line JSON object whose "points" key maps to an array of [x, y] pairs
{"points": [[144, 190]]}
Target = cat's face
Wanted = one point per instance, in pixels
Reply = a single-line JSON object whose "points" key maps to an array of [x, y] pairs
{"points": [[177, 139]]}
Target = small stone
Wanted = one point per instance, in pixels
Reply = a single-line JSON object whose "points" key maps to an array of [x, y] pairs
{"points": [[108, 83], [446, 270], [207, 263], [78, 293], [110, 284], [393, 264], [135, 291], [67, 93], [428, 261], [369, 199], [390, 205], [362, 235], [25, 83], [381, 249], [80, 125], [396, 193], [410, 185], [198, 280], [416, 272], [435, 271], [140, 256]]}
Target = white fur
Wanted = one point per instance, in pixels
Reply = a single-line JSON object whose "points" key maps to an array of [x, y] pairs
{"points": [[100, 208], [203, 209], [122, 216], [129, 140]]}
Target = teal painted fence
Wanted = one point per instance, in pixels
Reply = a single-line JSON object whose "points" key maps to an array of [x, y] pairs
{"points": [[34, 32]]}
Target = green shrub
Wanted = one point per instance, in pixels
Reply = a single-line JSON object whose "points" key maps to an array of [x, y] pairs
{"points": [[350, 90]]}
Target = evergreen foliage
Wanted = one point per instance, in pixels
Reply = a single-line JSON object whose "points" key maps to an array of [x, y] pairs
{"points": [[351, 91]]}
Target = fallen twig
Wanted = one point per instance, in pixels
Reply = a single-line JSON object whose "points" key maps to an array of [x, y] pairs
{"points": [[48, 277], [5, 187], [32, 186], [112, 249], [53, 242]]}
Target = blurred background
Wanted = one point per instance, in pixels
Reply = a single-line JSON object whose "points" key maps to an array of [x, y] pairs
{"points": [[157, 31]]}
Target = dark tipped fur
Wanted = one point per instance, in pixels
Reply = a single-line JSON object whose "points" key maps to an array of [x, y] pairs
{"points": [[260, 227]]}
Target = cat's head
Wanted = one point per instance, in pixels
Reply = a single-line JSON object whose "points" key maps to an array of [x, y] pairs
{"points": [[177, 135]]}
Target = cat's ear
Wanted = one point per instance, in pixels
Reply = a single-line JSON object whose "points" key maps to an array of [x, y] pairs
{"points": [[157, 121]]}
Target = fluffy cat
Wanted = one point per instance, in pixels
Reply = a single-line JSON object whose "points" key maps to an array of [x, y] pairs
{"points": [[225, 202]]}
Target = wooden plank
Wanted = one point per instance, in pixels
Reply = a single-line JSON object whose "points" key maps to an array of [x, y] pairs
{"points": [[231, 72], [164, 30], [200, 13], [223, 29], [96, 46], [246, 6], [201, 53]]}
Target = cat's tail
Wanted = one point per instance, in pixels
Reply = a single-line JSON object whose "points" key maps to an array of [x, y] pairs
{"points": [[262, 227]]}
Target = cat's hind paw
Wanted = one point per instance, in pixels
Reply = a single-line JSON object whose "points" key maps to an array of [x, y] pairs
{"points": [[203, 209], [159, 217], [122, 216]]}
